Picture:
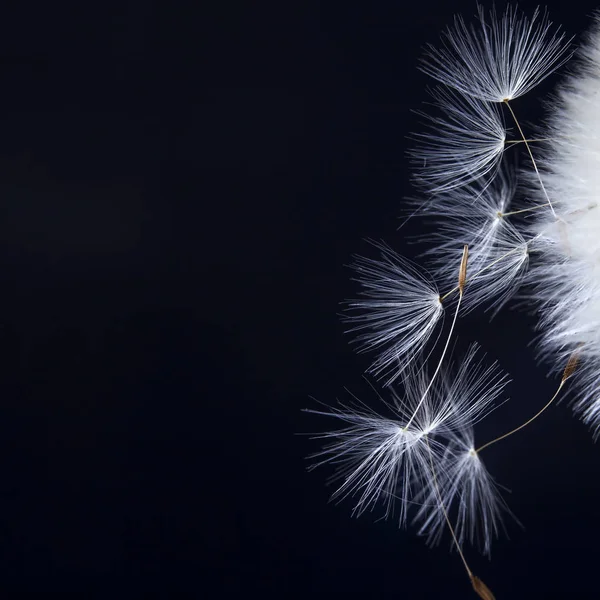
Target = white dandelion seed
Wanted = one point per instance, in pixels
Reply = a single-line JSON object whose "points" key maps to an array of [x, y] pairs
{"points": [[468, 493], [379, 459], [494, 283], [500, 59], [478, 215], [460, 485], [464, 397], [463, 145], [397, 314], [388, 459]]}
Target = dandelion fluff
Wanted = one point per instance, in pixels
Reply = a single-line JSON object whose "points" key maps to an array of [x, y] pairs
{"points": [[566, 276], [478, 215], [499, 59], [469, 494], [397, 314], [387, 458], [464, 144]]}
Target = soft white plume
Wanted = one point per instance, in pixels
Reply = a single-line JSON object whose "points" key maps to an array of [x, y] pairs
{"points": [[566, 272], [396, 457], [478, 215], [497, 59], [398, 312], [468, 493], [422, 453], [463, 145]]}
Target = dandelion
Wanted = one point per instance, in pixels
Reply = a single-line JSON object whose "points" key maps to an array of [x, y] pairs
{"points": [[565, 279], [422, 455], [463, 485], [379, 458], [463, 398], [386, 458], [398, 313], [463, 145], [479, 215], [499, 59], [474, 214]]}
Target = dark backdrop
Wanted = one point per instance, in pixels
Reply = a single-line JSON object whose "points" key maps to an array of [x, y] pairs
{"points": [[181, 186]]}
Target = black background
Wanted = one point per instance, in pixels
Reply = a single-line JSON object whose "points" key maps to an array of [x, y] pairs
{"points": [[181, 186]]}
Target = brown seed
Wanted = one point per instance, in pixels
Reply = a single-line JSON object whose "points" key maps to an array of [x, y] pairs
{"points": [[462, 274], [571, 366], [483, 591]]}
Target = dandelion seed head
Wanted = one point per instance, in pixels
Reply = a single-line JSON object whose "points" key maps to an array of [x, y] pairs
{"points": [[565, 278], [421, 455], [463, 145], [391, 458], [499, 59], [498, 252], [469, 494], [397, 313]]}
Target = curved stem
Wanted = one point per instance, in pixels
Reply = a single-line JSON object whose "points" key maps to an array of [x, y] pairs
{"points": [[480, 588], [439, 365], [443, 509], [530, 154], [526, 422], [462, 277], [569, 370]]}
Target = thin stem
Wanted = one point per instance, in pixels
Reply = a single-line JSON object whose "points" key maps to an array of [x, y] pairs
{"points": [[462, 277], [569, 370], [530, 141], [530, 154], [439, 366], [437, 491], [517, 212], [480, 588], [526, 422]]}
